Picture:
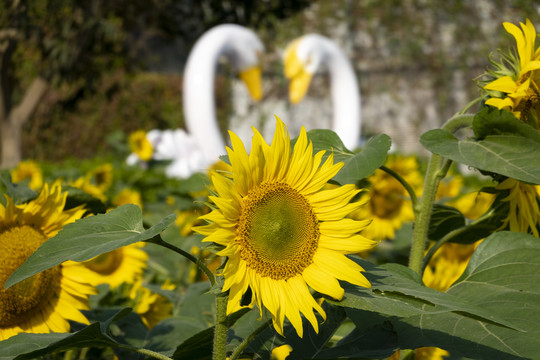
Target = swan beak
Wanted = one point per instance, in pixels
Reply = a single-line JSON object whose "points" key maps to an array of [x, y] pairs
{"points": [[252, 78], [295, 72], [299, 86]]}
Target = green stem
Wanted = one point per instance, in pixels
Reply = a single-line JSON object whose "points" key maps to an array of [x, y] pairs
{"points": [[238, 351], [437, 169], [435, 172], [470, 105], [146, 352], [220, 332], [406, 185], [159, 241], [153, 354], [458, 121]]}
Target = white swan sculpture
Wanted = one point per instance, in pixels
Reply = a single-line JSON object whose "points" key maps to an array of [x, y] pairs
{"points": [[310, 53], [202, 145], [242, 48]]}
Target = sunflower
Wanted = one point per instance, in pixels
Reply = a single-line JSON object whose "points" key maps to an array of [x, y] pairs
{"points": [[123, 265], [102, 176], [447, 265], [474, 204], [28, 170], [140, 145], [430, 353], [281, 352], [524, 213], [280, 231], [84, 183], [128, 196], [516, 87], [46, 301], [389, 203], [152, 307]]}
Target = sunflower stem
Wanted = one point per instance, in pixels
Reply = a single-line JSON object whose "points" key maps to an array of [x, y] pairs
{"points": [[152, 354], [436, 171], [470, 105], [458, 121], [437, 168], [159, 241], [238, 351], [406, 185], [220, 332]]}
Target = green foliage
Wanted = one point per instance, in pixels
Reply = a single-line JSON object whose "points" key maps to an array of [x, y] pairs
{"points": [[90, 237], [503, 146], [356, 166], [96, 334], [19, 193]]}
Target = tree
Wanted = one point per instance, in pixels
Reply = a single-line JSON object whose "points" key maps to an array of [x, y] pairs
{"points": [[50, 43]]}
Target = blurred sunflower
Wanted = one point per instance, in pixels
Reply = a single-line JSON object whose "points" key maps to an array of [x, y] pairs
{"points": [[280, 231], [524, 213], [389, 204], [128, 196], [102, 176], [28, 170], [513, 84], [84, 183], [46, 301], [430, 353], [151, 306], [473, 205], [281, 352], [140, 145], [123, 265]]}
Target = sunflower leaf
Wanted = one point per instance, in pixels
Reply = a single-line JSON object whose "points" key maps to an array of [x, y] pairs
{"points": [[511, 155], [20, 193], [90, 237], [30, 346], [398, 291], [501, 278], [365, 162], [356, 166], [443, 220], [492, 121]]}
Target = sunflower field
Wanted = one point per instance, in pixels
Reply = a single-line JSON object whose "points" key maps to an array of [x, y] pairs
{"points": [[294, 248]]}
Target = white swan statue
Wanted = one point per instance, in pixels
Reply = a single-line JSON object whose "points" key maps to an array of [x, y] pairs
{"points": [[310, 53], [200, 147], [242, 48]]}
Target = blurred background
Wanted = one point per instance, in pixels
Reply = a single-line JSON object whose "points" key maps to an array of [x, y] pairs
{"points": [[82, 75]]}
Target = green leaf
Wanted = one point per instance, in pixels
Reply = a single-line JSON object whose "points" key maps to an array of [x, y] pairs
{"points": [[443, 220], [364, 163], [373, 339], [502, 277], [492, 121], [89, 237], [20, 193], [94, 335], [356, 166], [397, 291], [510, 155], [26, 343], [200, 345]]}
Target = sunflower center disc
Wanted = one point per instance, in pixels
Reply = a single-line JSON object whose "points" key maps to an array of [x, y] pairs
{"points": [[105, 264], [386, 202], [17, 302], [278, 231]]}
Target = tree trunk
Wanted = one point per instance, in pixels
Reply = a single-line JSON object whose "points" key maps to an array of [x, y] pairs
{"points": [[11, 126]]}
